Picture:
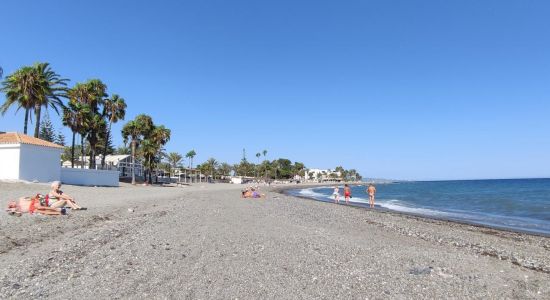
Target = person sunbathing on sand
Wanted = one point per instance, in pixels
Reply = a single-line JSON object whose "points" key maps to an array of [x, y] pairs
{"points": [[57, 199], [252, 193]]}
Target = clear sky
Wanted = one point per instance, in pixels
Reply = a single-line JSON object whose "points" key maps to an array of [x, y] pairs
{"points": [[396, 89]]}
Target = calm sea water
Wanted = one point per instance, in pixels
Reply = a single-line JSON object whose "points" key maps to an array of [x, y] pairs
{"points": [[517, 204]]}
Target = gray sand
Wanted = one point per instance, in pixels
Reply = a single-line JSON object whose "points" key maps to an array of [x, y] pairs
{"points": [[204, 242]]}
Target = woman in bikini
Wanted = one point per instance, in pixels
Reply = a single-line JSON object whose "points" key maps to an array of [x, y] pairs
{"points": [[57, 199]]}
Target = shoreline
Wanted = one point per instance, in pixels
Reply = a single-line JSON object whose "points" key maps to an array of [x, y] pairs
{"points": [[284, 190]]}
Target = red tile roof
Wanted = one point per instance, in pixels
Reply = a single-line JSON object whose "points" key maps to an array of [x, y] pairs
{"points": [[19, 138]]}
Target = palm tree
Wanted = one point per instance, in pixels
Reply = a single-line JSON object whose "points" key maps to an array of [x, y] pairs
{"points": [[114, 109], [95, 127], [160, 135], [74, 117], [213, 163], [174, 159], [52, 88], [258, 157], [265, 154], [225, 169], [135, 130], [190, 155], [91, 93], [21, 88]]}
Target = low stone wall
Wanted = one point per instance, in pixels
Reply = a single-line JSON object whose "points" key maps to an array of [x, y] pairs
{"points": [[89, 177]]}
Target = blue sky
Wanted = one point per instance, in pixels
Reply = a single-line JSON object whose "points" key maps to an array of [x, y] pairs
{"points": [[395, 89]]}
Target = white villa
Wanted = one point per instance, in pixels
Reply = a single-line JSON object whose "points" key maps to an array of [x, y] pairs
{"points": [[121, 163], [319, 175]]}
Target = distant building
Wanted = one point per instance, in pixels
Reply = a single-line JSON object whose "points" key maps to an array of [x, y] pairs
{"points": [[319, 175]]}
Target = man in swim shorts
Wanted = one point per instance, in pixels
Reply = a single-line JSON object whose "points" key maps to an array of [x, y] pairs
{"points": [[347, 193], [371, 190]]}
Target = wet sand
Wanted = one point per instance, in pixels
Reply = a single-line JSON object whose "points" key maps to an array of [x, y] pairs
{"points": [[204, 241]]}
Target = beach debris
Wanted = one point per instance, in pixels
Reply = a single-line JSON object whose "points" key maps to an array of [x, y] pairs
{"points": [[421, 271]]}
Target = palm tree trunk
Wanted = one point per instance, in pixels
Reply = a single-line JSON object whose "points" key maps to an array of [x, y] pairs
{"points": [[91, 164], [150, 171], [105, 148], [37, 117], [133, 161], [82, 151], [72, 150], [26, 121]]}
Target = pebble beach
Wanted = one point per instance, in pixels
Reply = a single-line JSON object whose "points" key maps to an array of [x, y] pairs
{"points": [[205, 242]]}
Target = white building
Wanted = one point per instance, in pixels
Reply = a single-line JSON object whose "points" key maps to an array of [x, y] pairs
{"points": [[319, 175], [24, 157], [122, 163]]}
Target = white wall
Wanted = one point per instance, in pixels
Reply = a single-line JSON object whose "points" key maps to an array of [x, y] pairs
{"points": [[39, 163], [89, 177], [9, 161]]}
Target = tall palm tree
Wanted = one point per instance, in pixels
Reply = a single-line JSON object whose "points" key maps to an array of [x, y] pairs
{"points": [[258, 157], [91, 93], [22, 88], [135, 131], [159, 136], [52, 88], [79, 103], [114, 109], [265, 154], [213, 163], [225, 169], [74, 118], [96, 127], [190, 155], [174, 159]]}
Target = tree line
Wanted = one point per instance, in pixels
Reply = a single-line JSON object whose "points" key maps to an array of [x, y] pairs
{"points": [[89, 112], [86, 109]]}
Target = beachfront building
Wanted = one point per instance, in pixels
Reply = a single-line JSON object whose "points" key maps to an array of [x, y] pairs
{"points": [[122, 163], [189, 175], [320, 175], [24, 157]]}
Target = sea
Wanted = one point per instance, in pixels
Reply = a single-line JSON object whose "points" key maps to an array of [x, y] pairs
{"points": [[513, 204]]}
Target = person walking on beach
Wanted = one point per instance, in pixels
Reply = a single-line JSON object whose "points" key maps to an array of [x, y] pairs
{"points": [[336, 195], [347, 193], [371, 190]]}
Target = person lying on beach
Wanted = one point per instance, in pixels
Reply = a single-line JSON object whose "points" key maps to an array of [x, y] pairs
{"points": [[252, 193], [33, 205], [57, 199]]}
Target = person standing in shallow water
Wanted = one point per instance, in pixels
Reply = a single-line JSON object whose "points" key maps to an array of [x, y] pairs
{"points": [[347, 193], [336, 195], [371, 190]]}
